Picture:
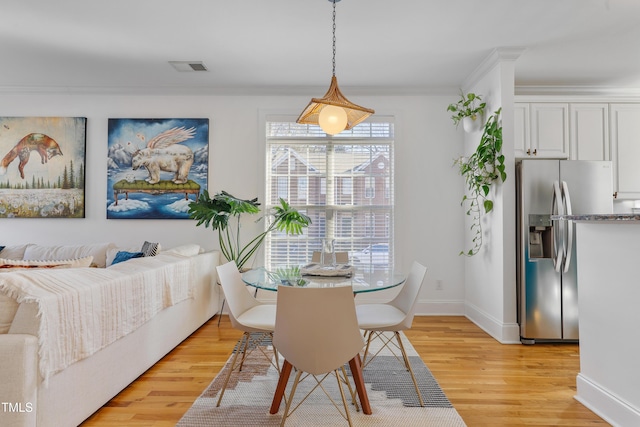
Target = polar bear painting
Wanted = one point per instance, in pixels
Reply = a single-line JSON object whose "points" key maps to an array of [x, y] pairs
{"points": [[163, 153]]}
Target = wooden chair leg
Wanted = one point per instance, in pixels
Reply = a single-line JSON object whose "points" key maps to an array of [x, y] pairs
{"points": [[356, 370], [280, 388]]}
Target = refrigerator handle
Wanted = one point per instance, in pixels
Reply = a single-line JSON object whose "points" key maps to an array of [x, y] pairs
{"points": [[569, 225], [557, 209]]}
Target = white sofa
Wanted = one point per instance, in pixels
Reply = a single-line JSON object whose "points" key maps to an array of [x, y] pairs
{"points": [[29, 397]]}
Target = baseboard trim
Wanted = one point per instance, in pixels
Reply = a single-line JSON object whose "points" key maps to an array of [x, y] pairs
{"points": [[440, 308], [604, 404], [505, 333]]}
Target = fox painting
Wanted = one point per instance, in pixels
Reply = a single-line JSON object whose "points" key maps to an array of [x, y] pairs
{"points": [[46, 146]]}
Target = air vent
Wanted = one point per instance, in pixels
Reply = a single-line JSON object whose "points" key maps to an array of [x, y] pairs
{"points": [[188, 65]]}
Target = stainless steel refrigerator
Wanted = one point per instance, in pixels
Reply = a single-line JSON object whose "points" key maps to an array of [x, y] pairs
{"points": [[547, 285]]}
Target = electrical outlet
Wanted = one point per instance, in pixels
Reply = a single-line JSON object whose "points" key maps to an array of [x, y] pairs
{"points": [[439, 285]]}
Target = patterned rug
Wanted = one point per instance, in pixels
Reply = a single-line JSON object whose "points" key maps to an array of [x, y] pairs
{"points": [[391, 393]]}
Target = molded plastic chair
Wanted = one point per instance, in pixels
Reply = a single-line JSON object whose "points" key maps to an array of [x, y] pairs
{"points": [[393, 316], [318, 342], [341, 257], [247, 314]]}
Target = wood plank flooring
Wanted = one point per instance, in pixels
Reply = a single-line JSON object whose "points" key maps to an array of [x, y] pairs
{"points": [[488, 383]]}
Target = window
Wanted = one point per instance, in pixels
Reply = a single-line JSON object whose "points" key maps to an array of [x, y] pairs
{"points": [[303, 183], [369, 187], [335, 181]]}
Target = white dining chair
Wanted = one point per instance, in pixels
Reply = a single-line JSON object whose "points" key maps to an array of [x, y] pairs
{"points": [[248, 315], [393, 316], [317, 344]]}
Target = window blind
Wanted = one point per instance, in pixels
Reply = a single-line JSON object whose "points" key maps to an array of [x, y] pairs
{"points": [[344, 183]]}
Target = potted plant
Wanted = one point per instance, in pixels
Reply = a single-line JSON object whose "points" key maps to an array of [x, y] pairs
{"points": [[469, 109], [480, 171], [223, 213]]}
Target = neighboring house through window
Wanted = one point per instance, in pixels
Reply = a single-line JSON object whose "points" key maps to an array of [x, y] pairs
{"points": [[334, 181]]}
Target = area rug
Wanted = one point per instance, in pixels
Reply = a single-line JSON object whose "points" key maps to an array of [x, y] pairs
{"points": [[391, 393]]}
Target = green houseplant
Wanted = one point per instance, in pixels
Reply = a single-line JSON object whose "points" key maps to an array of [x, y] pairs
{"points": [[223, 213], [480, 170], [468, 106]]}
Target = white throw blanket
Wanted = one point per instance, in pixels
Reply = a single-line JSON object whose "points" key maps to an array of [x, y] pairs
{"points": [[82, 310]]}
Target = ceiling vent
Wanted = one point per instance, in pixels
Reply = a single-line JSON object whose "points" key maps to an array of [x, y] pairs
{"points": [[188, 65]]}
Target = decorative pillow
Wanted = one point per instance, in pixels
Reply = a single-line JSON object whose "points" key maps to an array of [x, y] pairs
{"points": [[67, 252], [14, 251], [67, 263], [126, 256], [8, 308], [186, 250], [149, 249]]}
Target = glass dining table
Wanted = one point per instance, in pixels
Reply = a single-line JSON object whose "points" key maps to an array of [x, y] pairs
{"points": [[361, 280]]}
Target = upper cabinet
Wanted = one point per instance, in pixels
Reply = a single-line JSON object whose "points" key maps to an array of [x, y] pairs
{"points": [[625, 149], [589, 131], [541, 130], [583, 131]]}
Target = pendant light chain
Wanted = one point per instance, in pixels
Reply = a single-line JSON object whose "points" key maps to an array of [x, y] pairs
{"points": [[334, 37], [331, 119]]}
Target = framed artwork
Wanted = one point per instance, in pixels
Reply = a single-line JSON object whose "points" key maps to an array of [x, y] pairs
{"points": [[42, 171], [156, 167]]}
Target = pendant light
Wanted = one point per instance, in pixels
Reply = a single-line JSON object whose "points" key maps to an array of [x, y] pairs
{"points": [[333, 112]]}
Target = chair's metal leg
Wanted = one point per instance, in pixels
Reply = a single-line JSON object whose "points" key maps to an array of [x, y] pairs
{"points": [[247, 337], [226, 381], [352, 392], [408, 365], [368, 335], [221, 309], [275, 354], [288, 402], [344, 401]]}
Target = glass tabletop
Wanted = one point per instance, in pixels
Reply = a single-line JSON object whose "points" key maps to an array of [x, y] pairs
{"points": [[361, 280]]}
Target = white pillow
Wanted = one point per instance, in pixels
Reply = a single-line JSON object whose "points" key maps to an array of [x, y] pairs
{"points": [[14, 251], [68, 263], [8, 308], [67, 252], [186, 250]]}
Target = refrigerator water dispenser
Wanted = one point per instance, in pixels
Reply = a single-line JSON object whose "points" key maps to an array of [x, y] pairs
{"points": [[540, 236]]}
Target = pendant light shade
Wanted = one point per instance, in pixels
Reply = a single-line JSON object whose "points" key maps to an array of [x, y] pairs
{"points": [[333, 112], [332, 119]]}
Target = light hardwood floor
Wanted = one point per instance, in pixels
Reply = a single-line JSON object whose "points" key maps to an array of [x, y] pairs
{"points": [[488, 383]]}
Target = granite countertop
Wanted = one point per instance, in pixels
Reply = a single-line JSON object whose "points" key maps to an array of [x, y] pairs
{"points": [[619, 217]]}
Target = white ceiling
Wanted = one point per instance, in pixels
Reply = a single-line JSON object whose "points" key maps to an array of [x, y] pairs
{"points": [[284, 46]]}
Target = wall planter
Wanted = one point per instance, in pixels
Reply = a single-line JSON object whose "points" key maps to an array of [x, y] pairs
{"points": [[481, 170], [473, 123], [469, 110]]}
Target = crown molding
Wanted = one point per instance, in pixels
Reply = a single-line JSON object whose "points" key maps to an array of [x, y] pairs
{"points": [[227, 90], [579, 93], [497, 56]]}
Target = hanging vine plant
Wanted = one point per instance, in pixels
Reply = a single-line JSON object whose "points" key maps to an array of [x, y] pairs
{"points": [[480, 170]]}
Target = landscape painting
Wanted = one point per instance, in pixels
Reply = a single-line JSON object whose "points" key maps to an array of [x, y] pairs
{"points": [[156, 167], [42, 167]]}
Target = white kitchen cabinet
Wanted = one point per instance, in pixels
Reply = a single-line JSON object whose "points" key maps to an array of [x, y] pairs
{"points": [[589, 131], [541, 130], [522, 126], [624, 120]]}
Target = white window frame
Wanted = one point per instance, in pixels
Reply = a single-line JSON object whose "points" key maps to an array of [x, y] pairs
{"points": [[355, 205]]}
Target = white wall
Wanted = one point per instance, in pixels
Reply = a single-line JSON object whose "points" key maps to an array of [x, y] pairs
{"points": [[428, 224], [490, 290]]}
